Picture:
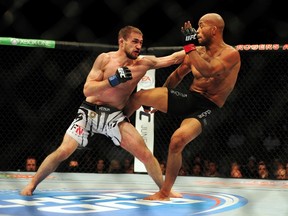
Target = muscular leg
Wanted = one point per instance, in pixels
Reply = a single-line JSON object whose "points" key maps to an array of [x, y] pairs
{"points": [[156, 98], [134, 144], [189, 130], [50, 164]]}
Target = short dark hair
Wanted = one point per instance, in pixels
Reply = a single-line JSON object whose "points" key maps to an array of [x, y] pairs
{"points": [[127, 30]]}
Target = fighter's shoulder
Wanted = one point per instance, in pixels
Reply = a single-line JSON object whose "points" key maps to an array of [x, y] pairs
{"points": [[105, 57], [201, 48], [230, 55], [231, 49], [229, 52]]}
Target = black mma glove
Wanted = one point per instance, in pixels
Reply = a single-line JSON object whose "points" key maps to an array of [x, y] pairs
{"points": [[123, 74], [189, 38]]}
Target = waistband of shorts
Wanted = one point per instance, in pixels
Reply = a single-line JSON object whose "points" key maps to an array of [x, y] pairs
{"points": [[101, 108]]}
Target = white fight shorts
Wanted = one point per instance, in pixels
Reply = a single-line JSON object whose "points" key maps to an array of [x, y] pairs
{"points": [[92, 119]]}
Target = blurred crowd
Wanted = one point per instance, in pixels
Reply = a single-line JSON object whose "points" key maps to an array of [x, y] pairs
{"points": [[199, 167]]}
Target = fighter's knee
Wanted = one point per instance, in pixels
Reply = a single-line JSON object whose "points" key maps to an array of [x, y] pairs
{"points": [[62, 154], [177, 144], [146, 156], [141, 93], [134, 99]]}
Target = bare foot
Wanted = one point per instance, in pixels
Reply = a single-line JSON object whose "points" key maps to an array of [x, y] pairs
{"points": [[27, 191], [157, 196], [174, 194]]}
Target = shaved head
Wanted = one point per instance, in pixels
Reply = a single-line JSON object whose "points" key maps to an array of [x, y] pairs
{"points": [[213, 19]]}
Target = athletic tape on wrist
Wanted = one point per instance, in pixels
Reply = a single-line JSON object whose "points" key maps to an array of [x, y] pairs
{"points": [[113, 80], [189, 47]]}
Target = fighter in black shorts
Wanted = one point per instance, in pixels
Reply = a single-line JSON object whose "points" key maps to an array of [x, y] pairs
{"points": [[215, 66]]}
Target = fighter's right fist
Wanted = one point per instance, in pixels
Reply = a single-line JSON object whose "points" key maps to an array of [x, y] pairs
{"points": [[190, 39], [123, 74]]}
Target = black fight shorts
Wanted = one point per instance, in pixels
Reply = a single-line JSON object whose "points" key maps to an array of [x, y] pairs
{"points": [[191, 104]]}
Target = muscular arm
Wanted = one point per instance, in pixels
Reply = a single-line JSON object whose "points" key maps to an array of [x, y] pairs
{"points": [[178, 74], [214, 66], [95, 80], [166, 61]]}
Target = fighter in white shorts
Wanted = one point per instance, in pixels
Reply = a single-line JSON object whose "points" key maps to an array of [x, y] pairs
{"points": [[92, 119]]}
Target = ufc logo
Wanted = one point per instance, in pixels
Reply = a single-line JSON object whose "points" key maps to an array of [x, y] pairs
{"points": [[190, 37], [121, 72]]}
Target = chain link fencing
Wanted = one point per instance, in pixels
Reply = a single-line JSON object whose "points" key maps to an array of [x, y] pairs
{"points": [[41, 90]]}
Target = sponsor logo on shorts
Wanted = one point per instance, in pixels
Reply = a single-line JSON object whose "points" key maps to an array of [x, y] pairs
{"points": [[76, 129], [205, 114], [104, 109], [177, 93]]}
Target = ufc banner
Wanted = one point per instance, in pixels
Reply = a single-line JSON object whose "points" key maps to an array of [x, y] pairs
{"points": [[144, 122]]}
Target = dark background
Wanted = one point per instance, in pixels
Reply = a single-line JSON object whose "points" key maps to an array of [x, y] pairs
{"points": [[98, 21]]}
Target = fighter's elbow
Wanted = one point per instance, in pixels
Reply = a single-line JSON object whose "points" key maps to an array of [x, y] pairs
{"points": [[86, 91]]}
